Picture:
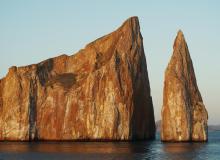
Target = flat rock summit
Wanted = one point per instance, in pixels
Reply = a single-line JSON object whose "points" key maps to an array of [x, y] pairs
{"points": [[184, 117], [100, 93]]}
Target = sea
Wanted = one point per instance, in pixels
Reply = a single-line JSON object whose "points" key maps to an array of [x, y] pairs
{"points": [[112, 150]]}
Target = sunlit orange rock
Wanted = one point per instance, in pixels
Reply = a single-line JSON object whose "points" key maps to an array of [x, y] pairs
{"points": [[100, 93], [184, 117]]}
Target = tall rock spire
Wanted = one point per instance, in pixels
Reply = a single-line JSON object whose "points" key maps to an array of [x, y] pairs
{"points": [[184, 117]]}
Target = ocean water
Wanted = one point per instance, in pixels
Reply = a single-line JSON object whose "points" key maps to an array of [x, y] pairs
{"points": [[112, 150]]}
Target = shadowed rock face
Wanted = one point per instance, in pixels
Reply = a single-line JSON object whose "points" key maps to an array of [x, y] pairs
{"points": [[184, 117], [100, 93]]}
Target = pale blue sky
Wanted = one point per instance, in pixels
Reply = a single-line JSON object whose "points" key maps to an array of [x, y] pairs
{"points": [[31, 31]]}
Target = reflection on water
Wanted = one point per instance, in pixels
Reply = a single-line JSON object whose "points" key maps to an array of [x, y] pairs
{"points": [[73, 147], [112, 150], [182, 147], [183, 151]]}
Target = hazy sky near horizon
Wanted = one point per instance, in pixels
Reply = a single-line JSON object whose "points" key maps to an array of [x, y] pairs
{"points": [[32, 31]]}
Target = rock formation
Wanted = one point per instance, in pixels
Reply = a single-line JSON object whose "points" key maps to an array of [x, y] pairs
{"points": [[184, 117], [100, 93]]}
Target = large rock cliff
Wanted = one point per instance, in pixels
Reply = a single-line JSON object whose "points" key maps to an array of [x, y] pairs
{"points": [[184, 117], [100, 93]]}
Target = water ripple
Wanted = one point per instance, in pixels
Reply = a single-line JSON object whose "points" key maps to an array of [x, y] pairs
{"points": [[112, 150]]}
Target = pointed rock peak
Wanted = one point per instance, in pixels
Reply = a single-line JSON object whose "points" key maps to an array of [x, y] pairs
{"points": [[180, 52], [180, 33], [180, 40], [132, 23], [130, 28]]}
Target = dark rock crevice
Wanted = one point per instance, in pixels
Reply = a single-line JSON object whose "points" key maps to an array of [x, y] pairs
{"points": [[33, 110], [43, 71]]}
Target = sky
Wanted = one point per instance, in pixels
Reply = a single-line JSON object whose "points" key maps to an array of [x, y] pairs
{"points": [[32, 31]]}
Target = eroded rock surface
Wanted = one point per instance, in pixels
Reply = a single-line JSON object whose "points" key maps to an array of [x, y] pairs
{"points": [[184, 117], [100, 93]]}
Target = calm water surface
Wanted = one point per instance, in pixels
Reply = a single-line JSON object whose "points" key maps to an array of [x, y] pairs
{"points": [[112, 150]]}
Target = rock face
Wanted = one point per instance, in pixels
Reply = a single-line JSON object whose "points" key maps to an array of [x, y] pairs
{"points": [[100, 93], [184, 117]]}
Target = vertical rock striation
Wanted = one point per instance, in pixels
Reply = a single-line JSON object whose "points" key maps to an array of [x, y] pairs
{"points": [[100, 93], [184, 117]]}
